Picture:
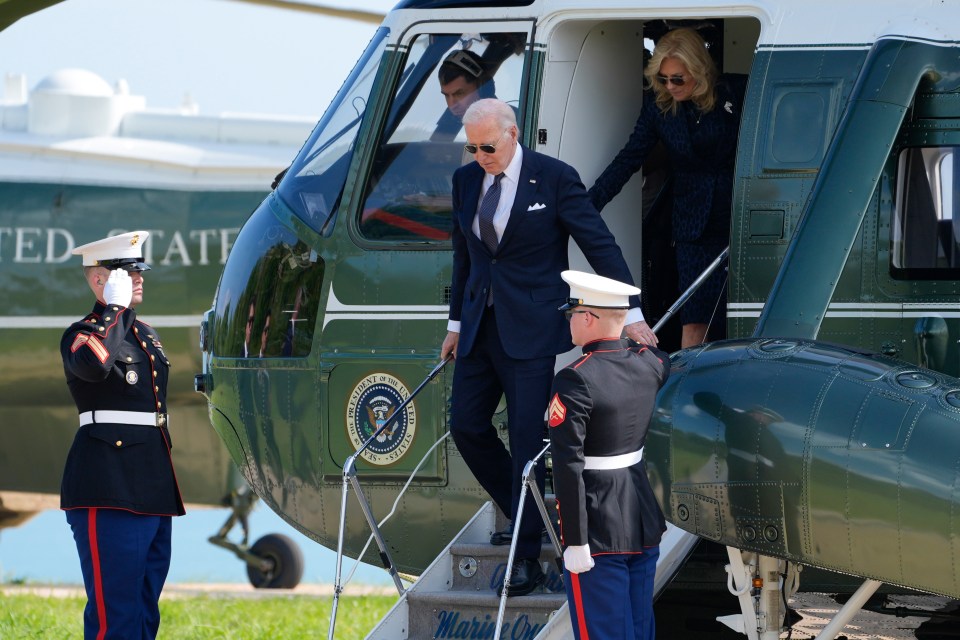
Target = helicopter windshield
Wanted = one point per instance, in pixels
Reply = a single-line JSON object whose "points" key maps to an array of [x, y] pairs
{"points": [[314, 182], [407, 198]]}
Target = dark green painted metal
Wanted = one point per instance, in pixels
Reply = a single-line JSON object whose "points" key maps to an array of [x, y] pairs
{"points": [[846, 185], [13, 10], [814, 453]]}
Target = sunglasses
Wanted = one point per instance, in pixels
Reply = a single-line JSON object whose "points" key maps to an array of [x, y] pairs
{"points": [[465, 62], [569, 313], [677, 80], [486, 148]]}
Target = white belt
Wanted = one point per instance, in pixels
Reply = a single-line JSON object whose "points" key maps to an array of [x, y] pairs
{"points": [[144, 418], [613, 462]]}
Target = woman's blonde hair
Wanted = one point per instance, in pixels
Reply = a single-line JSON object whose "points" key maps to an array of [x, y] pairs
{"points": [[685, 45]]}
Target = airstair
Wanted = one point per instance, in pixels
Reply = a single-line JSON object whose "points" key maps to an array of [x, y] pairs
{"points": [[456, 596]]}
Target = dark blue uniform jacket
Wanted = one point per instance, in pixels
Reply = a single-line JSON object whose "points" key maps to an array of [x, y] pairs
{"points": [[601, 406], [114, 362]]}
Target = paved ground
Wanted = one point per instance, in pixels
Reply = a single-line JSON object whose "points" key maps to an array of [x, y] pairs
{"points": [[818, 608]]}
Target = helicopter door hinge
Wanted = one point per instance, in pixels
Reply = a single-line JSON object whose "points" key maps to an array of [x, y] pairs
{"points": [[541, 136]]}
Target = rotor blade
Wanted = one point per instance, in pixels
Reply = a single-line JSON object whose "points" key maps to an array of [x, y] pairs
{"points": [[371, 17], [13, 10]]}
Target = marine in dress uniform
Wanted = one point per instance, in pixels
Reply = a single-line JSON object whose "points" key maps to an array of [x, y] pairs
{"points": [[119, 489], [610, 522]]}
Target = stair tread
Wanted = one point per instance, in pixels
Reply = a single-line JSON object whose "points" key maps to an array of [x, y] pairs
{"points": [[487, 549], [489, 598]]}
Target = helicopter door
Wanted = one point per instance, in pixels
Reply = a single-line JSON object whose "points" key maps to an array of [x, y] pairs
{"points": [[392, 281]]}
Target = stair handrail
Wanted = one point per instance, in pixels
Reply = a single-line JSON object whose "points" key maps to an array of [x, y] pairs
{"points": [[350, 479], [692, 289], [529, 483], [393, 507]]}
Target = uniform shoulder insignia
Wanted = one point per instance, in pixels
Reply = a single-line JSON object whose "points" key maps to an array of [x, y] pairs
{"points": [[557, 411], [93, 342]]}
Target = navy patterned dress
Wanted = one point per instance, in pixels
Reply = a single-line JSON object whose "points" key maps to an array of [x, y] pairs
{"points": [[702, 148]]}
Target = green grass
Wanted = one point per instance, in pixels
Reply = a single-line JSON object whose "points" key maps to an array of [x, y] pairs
{"points": [[204, 617]]}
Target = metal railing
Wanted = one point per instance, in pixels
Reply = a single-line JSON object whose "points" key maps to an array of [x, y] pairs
{"points": [[529, 483], [691, 289], [350, 480]]}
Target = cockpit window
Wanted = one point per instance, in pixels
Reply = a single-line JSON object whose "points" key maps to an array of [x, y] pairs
{"points": [[926, 229], [408, 196], [269, 293], [314, 183]]}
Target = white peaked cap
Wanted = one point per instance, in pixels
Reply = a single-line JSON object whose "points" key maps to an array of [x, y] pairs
{"points": [[591, 290], [121, 251]]}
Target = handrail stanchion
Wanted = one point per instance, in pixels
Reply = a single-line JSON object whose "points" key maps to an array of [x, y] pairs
{"points": [[529, 482], [691, 289], [350, 479]]}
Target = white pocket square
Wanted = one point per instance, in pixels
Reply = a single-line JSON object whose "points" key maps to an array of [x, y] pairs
{"points": [[536, 207]]}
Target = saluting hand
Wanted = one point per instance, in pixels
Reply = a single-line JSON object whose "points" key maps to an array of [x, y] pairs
{"points": [[119, 288]]}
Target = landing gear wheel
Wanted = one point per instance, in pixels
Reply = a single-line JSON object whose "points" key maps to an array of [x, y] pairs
{"points": [[287, 562]]}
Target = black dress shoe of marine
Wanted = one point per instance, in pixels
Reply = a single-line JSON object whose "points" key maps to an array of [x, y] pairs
{"points": [[525, 577], [500, 538]]}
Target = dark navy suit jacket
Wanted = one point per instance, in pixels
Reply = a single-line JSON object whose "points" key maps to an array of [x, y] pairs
{"points": [[525, 270]]}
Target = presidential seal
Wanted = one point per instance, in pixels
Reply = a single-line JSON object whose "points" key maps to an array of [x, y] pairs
{"points": [[372, 402]]}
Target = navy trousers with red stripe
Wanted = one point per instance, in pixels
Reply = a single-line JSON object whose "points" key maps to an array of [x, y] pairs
{"points": [[124, 558], [614, 599]]}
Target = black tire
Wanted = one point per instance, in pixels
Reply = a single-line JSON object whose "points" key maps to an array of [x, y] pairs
{"points": [[287, 558]]}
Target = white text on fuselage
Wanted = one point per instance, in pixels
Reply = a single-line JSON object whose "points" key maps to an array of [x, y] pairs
{"points": [[196, 247]]}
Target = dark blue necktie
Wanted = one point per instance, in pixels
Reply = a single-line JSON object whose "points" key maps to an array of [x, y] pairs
{"points": [[488, 207]]}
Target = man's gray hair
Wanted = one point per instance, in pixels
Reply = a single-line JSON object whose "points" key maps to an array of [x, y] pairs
{"points": [[487, 108]]}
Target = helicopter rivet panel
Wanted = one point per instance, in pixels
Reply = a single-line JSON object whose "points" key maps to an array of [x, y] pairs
{"points": [[824, 456]]}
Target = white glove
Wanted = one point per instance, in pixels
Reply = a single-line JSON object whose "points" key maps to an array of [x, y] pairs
{"points": [[119, 288], [577, 559]]}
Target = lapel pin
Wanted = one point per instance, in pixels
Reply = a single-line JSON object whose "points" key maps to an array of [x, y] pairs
{"points": [[532, 181]]}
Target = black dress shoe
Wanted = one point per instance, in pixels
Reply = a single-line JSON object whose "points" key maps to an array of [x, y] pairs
{"points": [[500, 538], [504, 537], [525, 577]]}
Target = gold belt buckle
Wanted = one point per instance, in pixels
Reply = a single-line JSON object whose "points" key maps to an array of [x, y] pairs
{"points": [[161, 419]]}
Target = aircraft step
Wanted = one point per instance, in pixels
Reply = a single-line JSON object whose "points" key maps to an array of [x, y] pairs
{"points": [[456, 595], [469, 614]]}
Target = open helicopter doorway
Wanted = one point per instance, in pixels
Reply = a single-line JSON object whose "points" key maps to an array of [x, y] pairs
{"points": [[592, 91]]}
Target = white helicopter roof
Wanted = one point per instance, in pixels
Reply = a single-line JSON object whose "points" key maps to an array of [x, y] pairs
{"points": [[74, 128]]}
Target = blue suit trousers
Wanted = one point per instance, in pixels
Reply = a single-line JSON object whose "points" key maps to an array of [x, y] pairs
{"points": [[479, 380]]}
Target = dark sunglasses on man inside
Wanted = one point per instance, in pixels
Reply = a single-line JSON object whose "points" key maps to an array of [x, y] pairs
{"points": [[677, 80], [486, 148]]}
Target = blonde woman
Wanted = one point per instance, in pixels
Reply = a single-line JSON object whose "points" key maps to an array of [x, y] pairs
{"points": [[695, 113]]}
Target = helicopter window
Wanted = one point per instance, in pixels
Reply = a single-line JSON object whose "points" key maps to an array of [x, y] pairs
{"points": [[314, 182], [926, 230], [408, 196], [269, 293]]}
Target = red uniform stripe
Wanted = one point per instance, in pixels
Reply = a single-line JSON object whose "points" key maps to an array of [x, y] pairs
{"points": [[97, 578], [578, 601]]}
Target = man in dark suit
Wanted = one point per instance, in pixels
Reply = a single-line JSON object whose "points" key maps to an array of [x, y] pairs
{"points": [[514, 213], [119, 489]]}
